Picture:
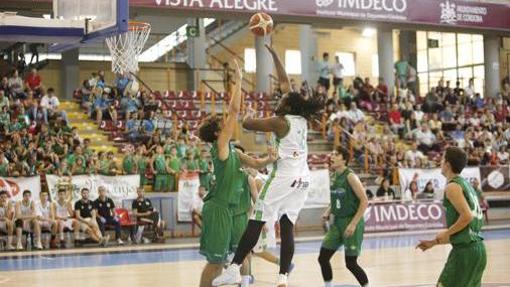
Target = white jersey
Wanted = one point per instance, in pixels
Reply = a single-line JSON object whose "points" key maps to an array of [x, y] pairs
{"points": [[293, 149], [62, 210], [3, 210], [44, 211], [26, 209]]}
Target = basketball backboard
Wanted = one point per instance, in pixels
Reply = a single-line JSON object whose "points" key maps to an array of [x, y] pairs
{"points": [[71, 24]]}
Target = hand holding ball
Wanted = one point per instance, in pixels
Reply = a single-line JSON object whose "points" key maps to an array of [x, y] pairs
{"points": [[261, 24]]}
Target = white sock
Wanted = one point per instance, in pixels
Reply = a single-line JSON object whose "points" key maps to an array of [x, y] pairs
{"points": [[235, 267], [245, 282], [366, 285], [328, 284]]}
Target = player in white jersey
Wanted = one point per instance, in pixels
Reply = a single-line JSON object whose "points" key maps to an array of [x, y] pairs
{"points": [[45, 210], [285, 192], [26, 220], [6, 222], [64, 216]]}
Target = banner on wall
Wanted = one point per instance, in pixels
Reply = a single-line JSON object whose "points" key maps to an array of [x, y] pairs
{"points": [[395, 216], [118, 187], [423, 176], [16, 186], [318, 191], [188, 193], [495, 178]]}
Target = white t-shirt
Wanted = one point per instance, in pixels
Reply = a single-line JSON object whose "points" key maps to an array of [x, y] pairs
{"points": [[427, 138], [54, 102], [411, 155], [45, 102], [337, 70], [355, 115]]}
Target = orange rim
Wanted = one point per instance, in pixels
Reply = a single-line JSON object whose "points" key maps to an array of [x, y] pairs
{"points": [[134, 25]]}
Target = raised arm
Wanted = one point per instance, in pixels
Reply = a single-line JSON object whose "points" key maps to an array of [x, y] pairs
{"points": [[283, 78], [233, 111]]}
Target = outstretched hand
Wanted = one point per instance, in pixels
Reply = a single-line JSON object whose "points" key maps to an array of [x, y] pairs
{"points": [[272, 154], [425, 245], [238, 74]]}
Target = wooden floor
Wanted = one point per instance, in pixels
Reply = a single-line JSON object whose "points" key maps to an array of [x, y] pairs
{"points": [[394, 263]]}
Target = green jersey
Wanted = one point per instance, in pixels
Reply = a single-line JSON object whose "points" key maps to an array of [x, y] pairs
{"points": [[141, 161], [191, 164], [245, 198], [160, 164], [229, 178], [344, 202], [128, 164], [4, 169], [175, 163], [472, 232]]}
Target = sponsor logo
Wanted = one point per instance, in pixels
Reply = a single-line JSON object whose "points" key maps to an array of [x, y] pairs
{"points": [[324, 3], [250, 5], [10, 186], [448, 14], [495, 179]]}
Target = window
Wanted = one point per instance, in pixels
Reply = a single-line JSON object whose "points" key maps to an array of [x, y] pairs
{"points": [[293, 62], [375, 66], [347, 60], [250, 60]]}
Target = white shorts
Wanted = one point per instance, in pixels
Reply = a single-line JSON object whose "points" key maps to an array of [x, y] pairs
{"points": [[27, 225], [267, 239], [68, 224], [45, 225], [281, 196], [3, 226]]}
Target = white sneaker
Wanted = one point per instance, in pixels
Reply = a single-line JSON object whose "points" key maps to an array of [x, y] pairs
{"points": [[146, 240], [120, 242], [282, 280], [19, 246], [231, 276], [104, 241], [9, 247], [38, 245]]}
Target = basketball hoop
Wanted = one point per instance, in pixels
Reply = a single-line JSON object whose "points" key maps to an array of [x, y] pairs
{"points": [[126, 47]]}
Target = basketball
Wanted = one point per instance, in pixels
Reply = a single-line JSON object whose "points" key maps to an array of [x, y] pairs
{"points": [[261, 24]]}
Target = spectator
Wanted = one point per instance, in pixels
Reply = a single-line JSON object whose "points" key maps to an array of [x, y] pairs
{"points": [[429, 192], [446, 115], [205, 170], [129, 164], [413, 155], [324, 70], [385, 191], [426, 139], [161, 171], [4, 86], [105, 208], [34, 51], [141, 164], [355, 115], [16, 85], [395, 119], [411, 192], [381, 91], [189, 163], [458, 135], [107, 165], [33, 81], [144, 212], [478, 102], [4, 101], [86, 215], [402, 69], [129, 104], [469, 91], [121, 83], [337, 71], [431, 104], [101, 107], [174, 162]]}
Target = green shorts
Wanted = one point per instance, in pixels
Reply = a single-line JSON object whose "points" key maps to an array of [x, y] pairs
{"points": [[335, 237], [465, 266], [240, 222], [162, 182], [216, 237]]}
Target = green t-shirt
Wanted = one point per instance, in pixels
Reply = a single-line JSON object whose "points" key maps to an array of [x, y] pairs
{"points": [[191, 164], [175, 163], [344, 202], [142, 164], [229, 178], [4, 168], [160, 164], [402, 68], [128, 164], [104, 166], [245, 198], [472, 232]]}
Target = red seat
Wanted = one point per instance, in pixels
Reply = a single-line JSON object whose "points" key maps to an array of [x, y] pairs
{"points": [[124, 218]]}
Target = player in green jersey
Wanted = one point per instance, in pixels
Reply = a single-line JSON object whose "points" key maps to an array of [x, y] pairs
{"points": [[348, 204], [464, 219], [216, 239]]}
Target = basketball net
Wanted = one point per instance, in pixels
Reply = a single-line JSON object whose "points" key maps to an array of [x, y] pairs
{"points": [[126, 47]]}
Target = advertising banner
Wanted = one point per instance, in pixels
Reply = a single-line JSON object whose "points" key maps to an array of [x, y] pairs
{"points": [[16, 186], [396, 216], [495, 178], [318, 191]]}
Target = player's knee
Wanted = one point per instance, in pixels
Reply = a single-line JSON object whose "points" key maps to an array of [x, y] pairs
{"points": [[323, 259], [351, 262]]}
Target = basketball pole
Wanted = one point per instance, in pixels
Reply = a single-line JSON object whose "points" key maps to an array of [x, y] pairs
{"points": [[142, 82]]}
